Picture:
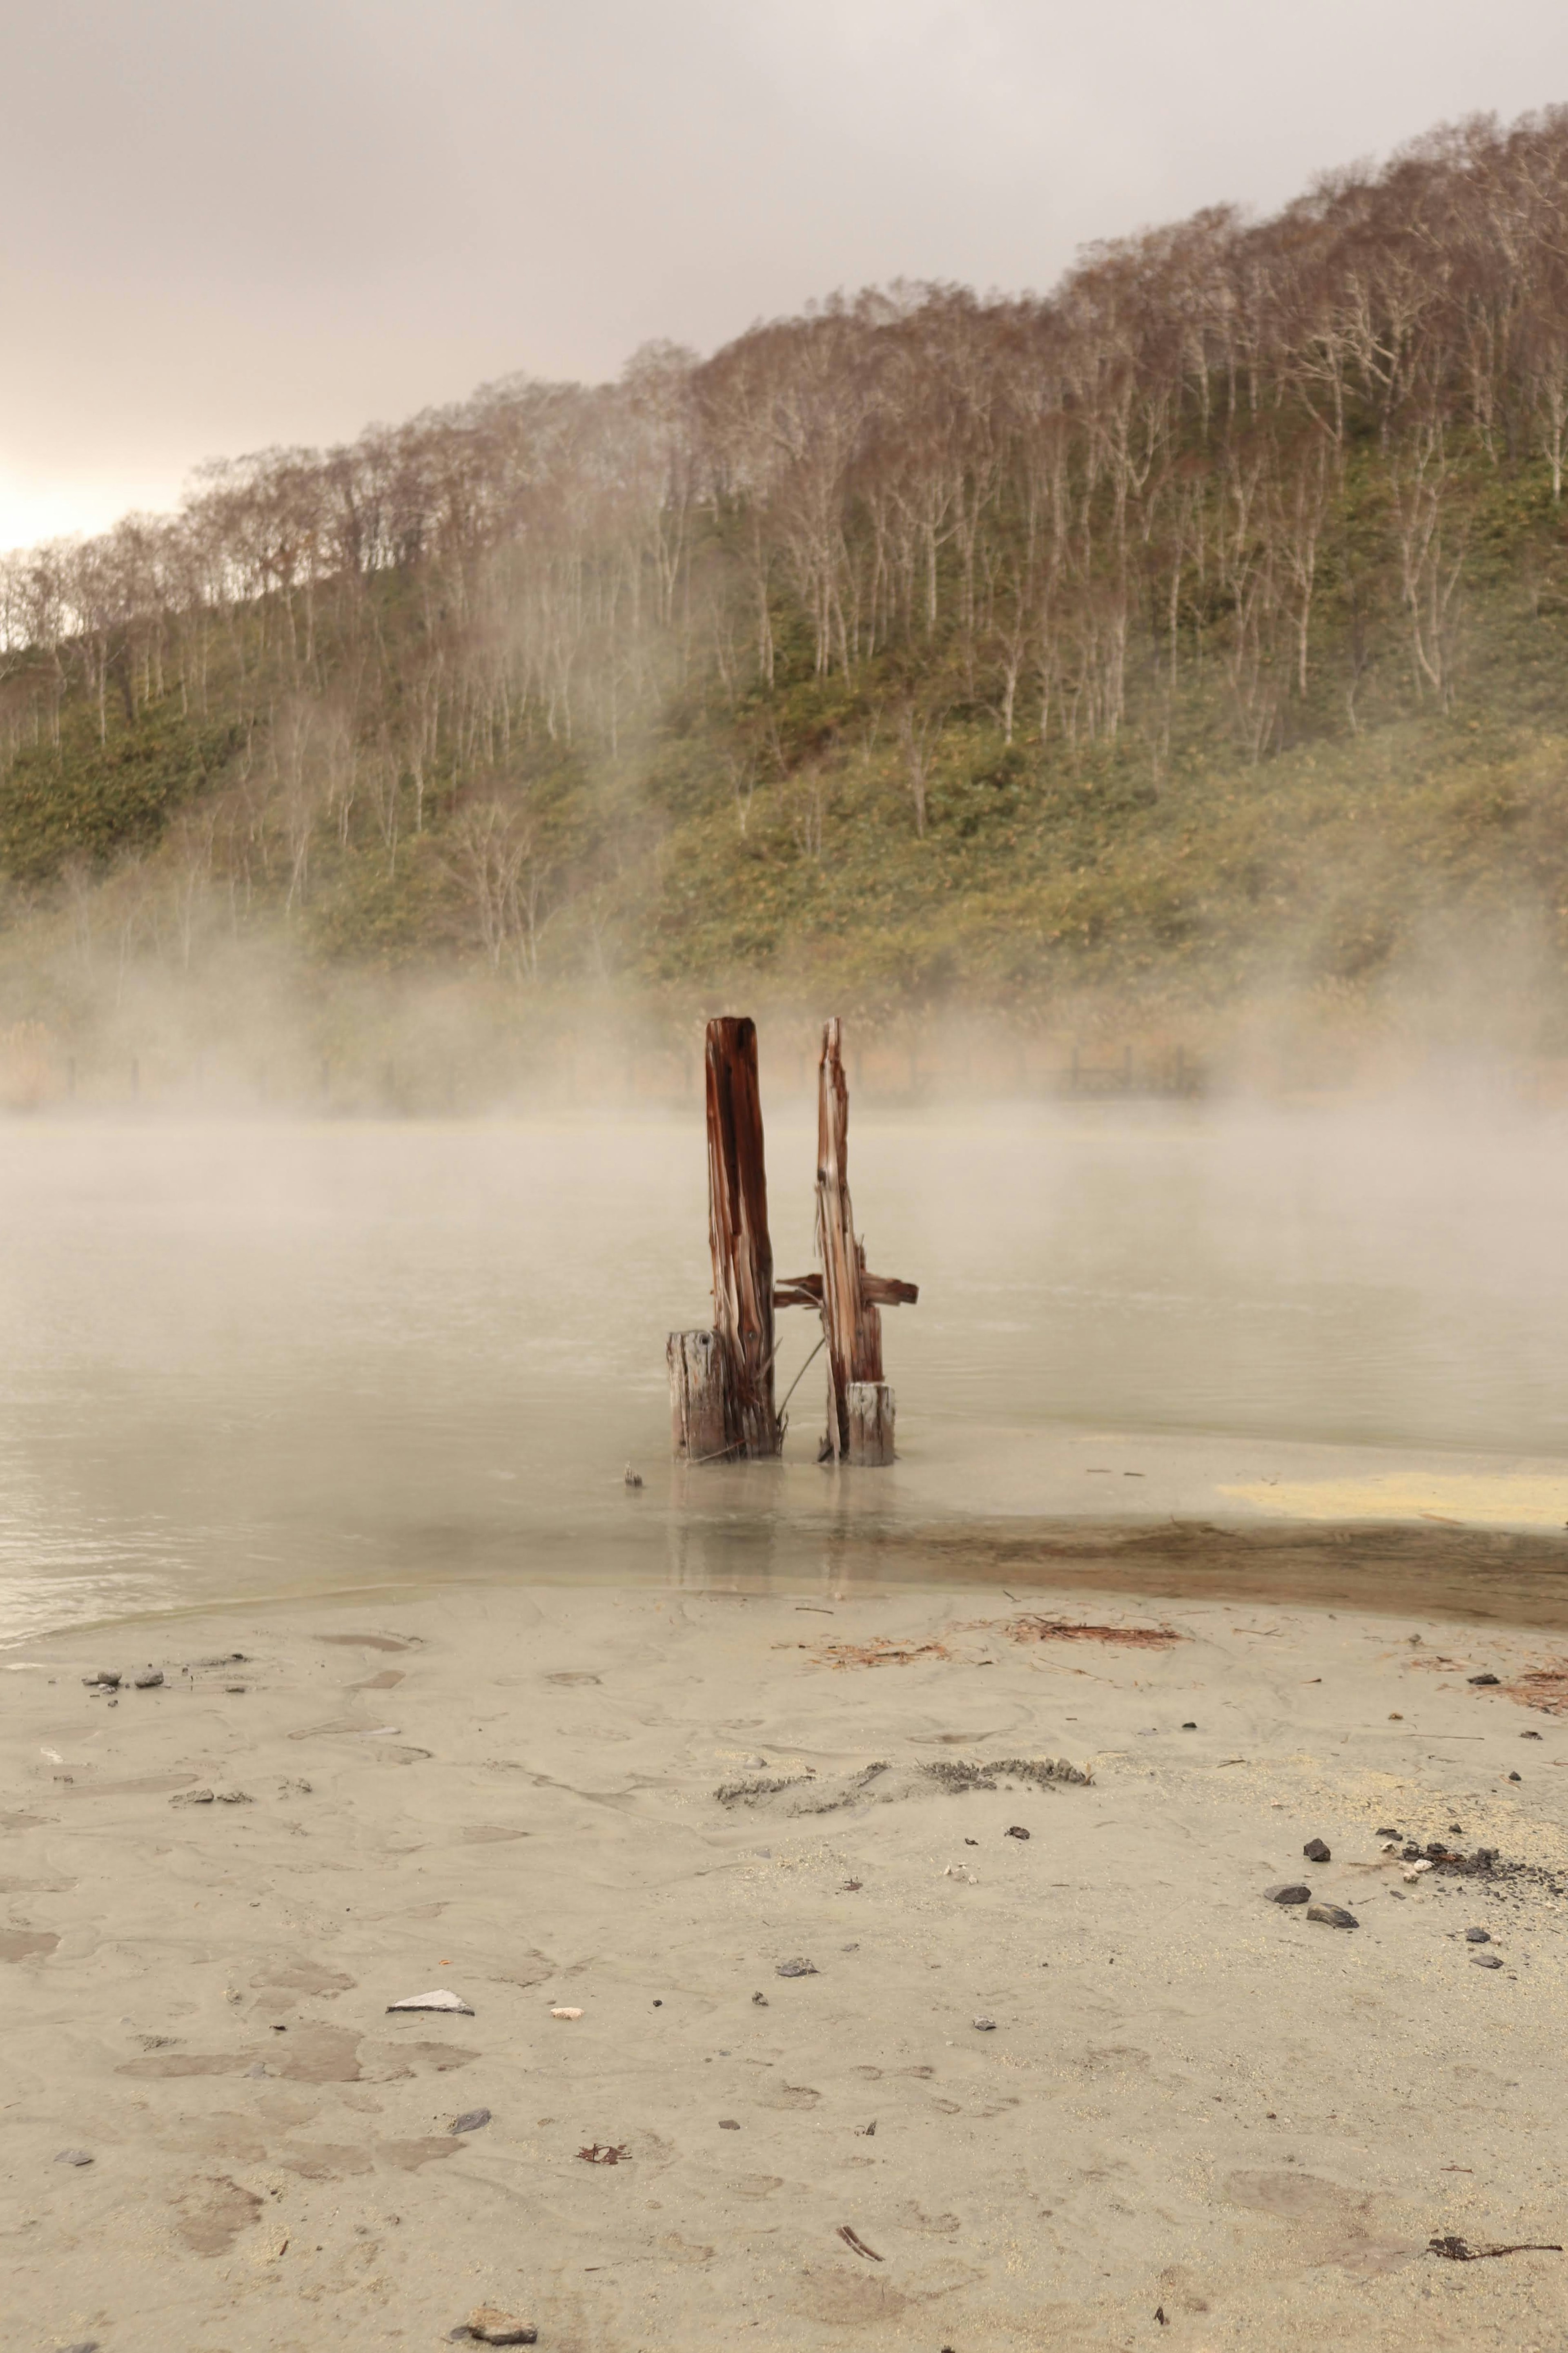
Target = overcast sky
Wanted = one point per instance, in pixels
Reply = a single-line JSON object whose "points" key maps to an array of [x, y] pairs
{"points": [[228, 226]]}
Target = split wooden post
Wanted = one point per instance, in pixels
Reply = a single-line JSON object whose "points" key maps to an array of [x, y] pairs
{"points": [[859, 1402], [721, 1382]]}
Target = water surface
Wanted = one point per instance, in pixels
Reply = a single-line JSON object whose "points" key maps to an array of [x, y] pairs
{"points": [[247, 1359]]}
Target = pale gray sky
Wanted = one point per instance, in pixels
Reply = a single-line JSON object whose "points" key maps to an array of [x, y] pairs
{"points": [[229, 226]]}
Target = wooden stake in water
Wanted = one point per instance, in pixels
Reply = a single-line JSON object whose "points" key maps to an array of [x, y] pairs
{"points": [[859, 1401], [721, 1382]]}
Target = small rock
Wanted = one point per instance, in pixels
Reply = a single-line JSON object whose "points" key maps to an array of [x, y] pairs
{"points": [[191, 1798], [82, 2345], [471, 2120], [488, 2326], [1333, 1916], [1316, 1852], [74, 2157], [149, 1679], [1387, 1830], [566, 2009], [761, 2000], [105, 1680], [234, 1691], [796, 1969], [443, 1997], [985, 2025], [1530, 1736], [235, 1798], [633, 1477], [1485, 1961], [1482, 1679], [1478, 1936], [259, 2068], [1189, 1727], [729, 2123], [1516, 1776], [1017, 1830], [1288, 1891]]}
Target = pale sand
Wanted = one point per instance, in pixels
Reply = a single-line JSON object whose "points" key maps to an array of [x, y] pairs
{"points": [[539, 1827]]}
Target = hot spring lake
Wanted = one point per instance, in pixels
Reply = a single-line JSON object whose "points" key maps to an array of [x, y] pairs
{"points": [[267, 1358]]}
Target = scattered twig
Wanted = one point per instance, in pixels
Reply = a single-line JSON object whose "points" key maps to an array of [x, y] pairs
{"points": [[853, 2239], [606, 2153], [1455, 2251]]}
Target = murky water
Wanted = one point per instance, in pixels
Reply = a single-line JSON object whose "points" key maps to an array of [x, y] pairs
{"points": [[250, 1359]]}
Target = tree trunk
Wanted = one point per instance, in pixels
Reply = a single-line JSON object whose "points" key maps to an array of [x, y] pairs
{"points": [[737, 1235], [850, 1324]]}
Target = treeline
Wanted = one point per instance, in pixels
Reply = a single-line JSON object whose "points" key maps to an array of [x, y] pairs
{"points": [[1229, 476]]}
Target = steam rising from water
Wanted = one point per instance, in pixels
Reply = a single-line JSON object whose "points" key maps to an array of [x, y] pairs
{"points": [[253, 1359]]}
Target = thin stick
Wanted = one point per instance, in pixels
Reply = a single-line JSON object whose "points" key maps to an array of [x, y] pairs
{"points": [[801, 1375]]}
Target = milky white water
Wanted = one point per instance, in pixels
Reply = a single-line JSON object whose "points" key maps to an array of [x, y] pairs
{"points": [[257, 1358]]}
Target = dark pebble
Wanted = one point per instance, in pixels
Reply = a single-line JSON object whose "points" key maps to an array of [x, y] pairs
{"points": [[795, 1969], [1387, 1830], [1485, 1961], [1189, 1727], [1333, 1916], [1483, 1679], [1017, 1830], [1530, 1736], [471, 2120], [148, 1679], [1288, 1891], [1478, 1936], [1316, 1852], [1516, 1776], [985, 2025], [729, 2123]]}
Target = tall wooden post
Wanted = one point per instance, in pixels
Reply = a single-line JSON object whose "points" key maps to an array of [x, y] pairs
{"points": [[859, 1402], [737, 1235], [721, 1382]]}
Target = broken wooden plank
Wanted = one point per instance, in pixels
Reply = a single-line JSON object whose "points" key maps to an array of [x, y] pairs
{"points": [[878, 1290]]}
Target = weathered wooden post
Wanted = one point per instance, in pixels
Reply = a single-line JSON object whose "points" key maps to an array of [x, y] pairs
{"points": [[722, 1382], [859, 1402]]}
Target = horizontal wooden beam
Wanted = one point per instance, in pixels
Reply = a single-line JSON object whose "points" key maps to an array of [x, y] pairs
{"points": [[876, 1290]]}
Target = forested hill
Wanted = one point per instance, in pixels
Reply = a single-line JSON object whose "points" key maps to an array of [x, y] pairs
{"points": [[1196, 627]]}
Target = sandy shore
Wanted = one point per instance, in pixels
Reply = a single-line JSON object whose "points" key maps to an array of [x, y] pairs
{"points": [[1198, 2119]]}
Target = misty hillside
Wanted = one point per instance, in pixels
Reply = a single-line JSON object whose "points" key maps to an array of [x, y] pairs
{"points": [[1198, 629]]}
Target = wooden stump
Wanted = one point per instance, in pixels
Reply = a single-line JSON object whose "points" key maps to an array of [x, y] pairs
{"points": [[870, 1414], [737, 1236], [721, 1382], [697, 1392], [850, 1322]]}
